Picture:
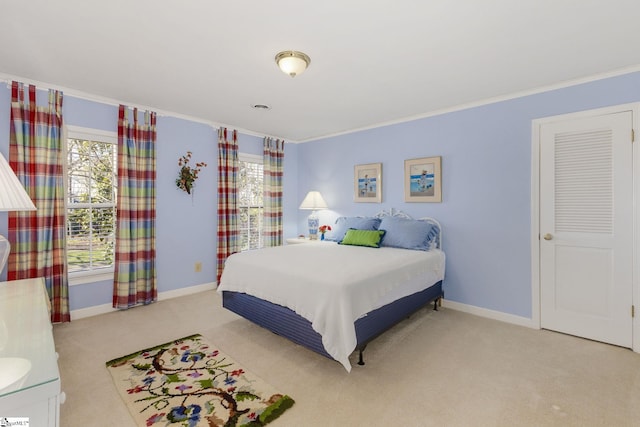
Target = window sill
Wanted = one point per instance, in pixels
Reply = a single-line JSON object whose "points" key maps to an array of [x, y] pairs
{"points": [[82, 278]]}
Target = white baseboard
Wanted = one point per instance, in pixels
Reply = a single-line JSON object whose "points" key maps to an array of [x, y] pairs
{"points": [[491, 314], [186, 291], [108, 308], [471, 309]]}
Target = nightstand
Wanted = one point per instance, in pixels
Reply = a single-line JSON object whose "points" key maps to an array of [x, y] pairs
{"points": [[298, 240]]}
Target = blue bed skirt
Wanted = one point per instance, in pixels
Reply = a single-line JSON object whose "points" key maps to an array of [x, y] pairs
{"points": [[287, 323]]}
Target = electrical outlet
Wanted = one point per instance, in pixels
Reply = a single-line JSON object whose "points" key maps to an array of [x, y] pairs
{"points": [[198, 267]]}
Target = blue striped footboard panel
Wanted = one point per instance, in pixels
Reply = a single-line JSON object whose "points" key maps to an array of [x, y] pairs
{"points": [[288, 324]]}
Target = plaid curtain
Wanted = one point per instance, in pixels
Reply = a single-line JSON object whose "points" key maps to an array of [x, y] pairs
{"points": [[36, 154], [135, 262], [227, 198], [273, 155]]}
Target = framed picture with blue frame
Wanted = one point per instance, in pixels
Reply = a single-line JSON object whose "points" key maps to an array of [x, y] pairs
{"points": [[368, 183], [423, 180]]}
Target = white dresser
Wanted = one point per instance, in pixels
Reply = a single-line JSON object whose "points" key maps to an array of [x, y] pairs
{"points": [[29, 376]]}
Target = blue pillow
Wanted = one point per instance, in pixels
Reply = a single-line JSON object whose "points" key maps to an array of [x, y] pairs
{"points": [[345, 223], [408, 233]]}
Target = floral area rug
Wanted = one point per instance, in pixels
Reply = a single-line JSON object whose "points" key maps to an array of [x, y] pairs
{"points": [[188, 382]]}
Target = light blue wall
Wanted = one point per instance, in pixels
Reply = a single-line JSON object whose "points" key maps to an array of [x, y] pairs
{"points": [[486, 187], [486, 164], [186, 226]]}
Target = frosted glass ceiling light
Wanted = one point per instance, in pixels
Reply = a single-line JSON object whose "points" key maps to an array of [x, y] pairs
{"points": [[292, 62]]}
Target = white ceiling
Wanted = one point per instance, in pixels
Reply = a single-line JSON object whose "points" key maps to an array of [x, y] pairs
{"points": [[372, 62]]}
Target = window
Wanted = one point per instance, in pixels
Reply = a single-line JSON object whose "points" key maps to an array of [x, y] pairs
{"points": [[91, 200], [250, 206]]}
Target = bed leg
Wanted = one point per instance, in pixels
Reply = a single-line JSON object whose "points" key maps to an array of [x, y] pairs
{"points": [[437, 303], [360, 358]]}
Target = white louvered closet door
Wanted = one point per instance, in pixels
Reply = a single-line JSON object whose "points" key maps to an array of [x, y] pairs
{"points": [[586, 227]]}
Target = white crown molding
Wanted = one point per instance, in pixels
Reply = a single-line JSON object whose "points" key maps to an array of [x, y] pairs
{"points": [[8, 78], [488, 101]]}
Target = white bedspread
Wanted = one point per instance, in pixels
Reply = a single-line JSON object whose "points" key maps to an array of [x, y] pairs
{"points": [[328, 284]]}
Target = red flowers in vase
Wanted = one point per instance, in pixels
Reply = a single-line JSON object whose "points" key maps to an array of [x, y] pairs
{"points": [[323, 229]]}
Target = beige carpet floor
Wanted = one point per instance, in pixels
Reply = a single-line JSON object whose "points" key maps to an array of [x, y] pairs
{"points": [[444, 368]]}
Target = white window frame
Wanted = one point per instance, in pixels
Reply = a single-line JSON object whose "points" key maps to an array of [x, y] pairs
{"points": [[253, 158], [77, 132]]}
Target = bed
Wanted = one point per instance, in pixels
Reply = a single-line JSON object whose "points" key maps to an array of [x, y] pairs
{"points": [[335, 297]]}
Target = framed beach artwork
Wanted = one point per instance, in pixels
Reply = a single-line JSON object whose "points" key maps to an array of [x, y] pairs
{"points": [[368, 183], [423, 180]]}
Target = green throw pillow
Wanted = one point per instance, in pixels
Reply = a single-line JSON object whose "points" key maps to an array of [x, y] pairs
{"points": [[369, 238]]}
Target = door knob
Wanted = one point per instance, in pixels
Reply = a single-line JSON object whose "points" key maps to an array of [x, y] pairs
{"points": [[548, 236]]}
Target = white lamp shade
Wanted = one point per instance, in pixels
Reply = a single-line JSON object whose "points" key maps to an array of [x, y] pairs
{"points": [[313, 201], [13, 196]]}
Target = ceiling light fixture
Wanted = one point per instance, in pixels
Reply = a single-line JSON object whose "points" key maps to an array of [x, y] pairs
{"points": [[292, 62]]}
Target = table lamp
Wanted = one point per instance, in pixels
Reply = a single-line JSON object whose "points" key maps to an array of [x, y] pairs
{"points": [[13, 197], [313, 201]]}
